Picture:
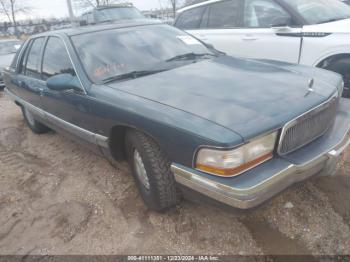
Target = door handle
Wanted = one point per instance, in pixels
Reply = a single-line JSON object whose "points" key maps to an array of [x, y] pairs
{"points": [[249, 38]]}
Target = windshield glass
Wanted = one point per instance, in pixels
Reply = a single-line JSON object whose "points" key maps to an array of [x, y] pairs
{"points": [[119, 13], [142, 48], [9, 47], [320, 11]]}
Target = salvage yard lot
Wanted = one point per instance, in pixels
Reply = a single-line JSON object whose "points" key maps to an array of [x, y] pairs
{"points": [[56, 197]]}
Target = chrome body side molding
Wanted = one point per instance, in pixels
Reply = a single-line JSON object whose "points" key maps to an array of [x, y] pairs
{"points": [[90, 137]]}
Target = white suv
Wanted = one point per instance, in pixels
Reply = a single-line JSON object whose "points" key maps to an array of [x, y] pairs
{"points": [[309, 32]]}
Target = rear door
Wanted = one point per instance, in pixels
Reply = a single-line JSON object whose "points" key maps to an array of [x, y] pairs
{"points": [[28, 78]]}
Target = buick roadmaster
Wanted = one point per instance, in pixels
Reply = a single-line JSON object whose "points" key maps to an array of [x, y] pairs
{"points": [[185, 116]]}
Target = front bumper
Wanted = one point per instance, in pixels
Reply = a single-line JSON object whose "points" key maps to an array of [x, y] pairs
{"points": [[263, 182]]}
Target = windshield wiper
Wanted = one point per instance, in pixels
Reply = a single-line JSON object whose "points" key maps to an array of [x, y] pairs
{"points": [[131, 75], [188, 56]]}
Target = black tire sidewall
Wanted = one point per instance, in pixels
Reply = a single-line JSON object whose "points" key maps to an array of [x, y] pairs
{"points": [[37, 128], [151, 196]]}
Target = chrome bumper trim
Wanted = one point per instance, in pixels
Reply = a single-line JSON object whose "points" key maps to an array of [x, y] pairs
{"points": [[250, 197]]}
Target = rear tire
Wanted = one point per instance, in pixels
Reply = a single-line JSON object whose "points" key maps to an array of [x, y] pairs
{"points": [[33, 124], [151, 171]]}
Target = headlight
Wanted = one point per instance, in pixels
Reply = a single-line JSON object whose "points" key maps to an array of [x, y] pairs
{"points": [[236, 161]]}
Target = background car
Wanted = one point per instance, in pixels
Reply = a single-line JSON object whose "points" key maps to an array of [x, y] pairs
{"points": [[346, 2], [111, 13], [309, 32], [8, 49]]}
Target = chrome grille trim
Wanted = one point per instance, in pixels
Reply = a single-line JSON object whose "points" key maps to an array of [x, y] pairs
{"points": [[310, 120]]}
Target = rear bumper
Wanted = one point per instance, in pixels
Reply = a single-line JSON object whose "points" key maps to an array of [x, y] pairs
{"points": [[263, 182]]}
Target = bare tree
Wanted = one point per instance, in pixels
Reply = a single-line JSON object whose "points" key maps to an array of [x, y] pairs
{"points": [[175, 4], [11, 8]]}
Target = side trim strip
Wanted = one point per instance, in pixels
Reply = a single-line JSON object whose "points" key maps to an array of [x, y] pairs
{"points": [[73, 129]]}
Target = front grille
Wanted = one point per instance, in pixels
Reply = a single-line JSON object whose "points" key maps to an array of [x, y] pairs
{"points": [[308, 127]]}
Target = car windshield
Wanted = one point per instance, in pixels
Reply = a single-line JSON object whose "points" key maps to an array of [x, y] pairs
{"points": [[320, 11], [118, 13], [135, 51], [9, 47]]}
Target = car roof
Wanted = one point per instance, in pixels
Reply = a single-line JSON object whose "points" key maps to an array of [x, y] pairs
{"points": [[197, 5], [100, 27], [114, 6]]}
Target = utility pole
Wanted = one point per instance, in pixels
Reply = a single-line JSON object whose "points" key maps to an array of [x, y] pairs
{"points": [[70, 11]]}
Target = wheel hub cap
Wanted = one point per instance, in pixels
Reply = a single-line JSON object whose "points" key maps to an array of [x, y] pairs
{"points": [[140, 170]]}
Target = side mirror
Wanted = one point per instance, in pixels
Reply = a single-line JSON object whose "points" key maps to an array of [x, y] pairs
{"points": [[63, 82]]}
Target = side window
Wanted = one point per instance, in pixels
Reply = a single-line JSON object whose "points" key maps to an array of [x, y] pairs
{"points": [[56, 60], [224, 14], [190, 19], [34, 58], [15, 59], [264, 14], [205, 18], [23, 58]]}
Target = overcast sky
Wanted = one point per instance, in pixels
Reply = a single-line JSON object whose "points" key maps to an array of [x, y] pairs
{"points": [[58, 8]]}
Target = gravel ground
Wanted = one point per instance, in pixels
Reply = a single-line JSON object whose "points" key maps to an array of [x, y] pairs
{"points": [[56, 197]]}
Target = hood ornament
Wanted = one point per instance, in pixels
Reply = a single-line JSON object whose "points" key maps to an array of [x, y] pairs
{"points": [[311, 83], [311, 89]]}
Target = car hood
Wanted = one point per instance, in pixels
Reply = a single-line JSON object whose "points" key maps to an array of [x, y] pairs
{"points": [[341, 26], [6, 60], [249, 97]]}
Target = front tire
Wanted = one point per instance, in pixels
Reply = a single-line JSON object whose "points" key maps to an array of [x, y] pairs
{"points": [[339, 64], [32, 123], [151, 171]]}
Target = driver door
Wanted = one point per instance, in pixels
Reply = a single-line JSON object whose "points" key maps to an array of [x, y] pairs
{"points": [[67, 109], [269, 32], [244, 28]]}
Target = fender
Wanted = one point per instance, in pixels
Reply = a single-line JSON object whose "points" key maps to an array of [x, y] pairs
{"points": [[339, 50]]}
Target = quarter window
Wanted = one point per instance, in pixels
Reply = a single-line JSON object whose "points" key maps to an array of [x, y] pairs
{"points": [[224, 14], [264, 14], [190, 19], [56, 60], [33, 60]]}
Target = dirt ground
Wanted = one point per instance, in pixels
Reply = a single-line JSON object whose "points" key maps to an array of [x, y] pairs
{"points": [[56, 197]]}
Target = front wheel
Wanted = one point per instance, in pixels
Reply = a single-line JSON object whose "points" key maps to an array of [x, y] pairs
{"points": [[33, 124], [151, 171]]}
